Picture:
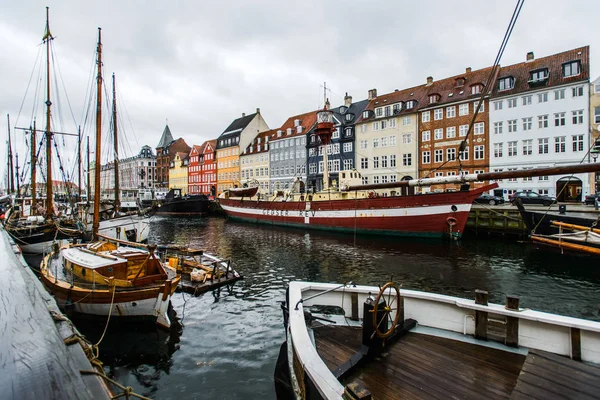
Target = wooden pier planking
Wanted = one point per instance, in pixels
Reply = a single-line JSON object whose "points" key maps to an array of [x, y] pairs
{"points": [[198, 288], [547, 376]]}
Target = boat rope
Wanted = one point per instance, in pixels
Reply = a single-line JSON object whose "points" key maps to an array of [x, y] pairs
{"points": [[127, 391], [108, 319]]}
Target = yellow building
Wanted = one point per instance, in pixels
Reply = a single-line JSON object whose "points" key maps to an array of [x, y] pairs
{"points": [[178, 173], [238, 135]]}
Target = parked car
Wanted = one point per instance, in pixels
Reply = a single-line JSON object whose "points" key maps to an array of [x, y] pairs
{"points": [[487, 198], [590, 199], [533, 198]]}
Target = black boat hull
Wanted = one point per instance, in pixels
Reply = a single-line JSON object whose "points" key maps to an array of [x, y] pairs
{"points": [[196, 205]]}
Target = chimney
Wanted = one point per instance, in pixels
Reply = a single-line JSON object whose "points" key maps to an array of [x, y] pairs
{"points": [[372, 94], [243, 115], [257, 110], [530, 56], [429, 80], [347, 100], [468, 70]]}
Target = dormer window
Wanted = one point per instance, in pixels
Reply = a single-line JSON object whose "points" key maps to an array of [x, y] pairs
{"points": [[539, 75], [460, 82], [434, 98], [343, 109], [571, 68], [349, 117], [410, 104], [396, 108], [365, 114], [379, 112], [506, 83], [476, 89]]}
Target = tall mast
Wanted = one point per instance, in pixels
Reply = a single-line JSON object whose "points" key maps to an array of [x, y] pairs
{"points": [[47, 38], [11, 177], [96, 220], [33, 170], [17, 176], [116, 142], [79, 162], [89, 178]]}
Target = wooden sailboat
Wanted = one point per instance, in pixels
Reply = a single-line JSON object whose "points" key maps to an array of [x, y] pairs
{"points": [[109, 277], [33, 230]]}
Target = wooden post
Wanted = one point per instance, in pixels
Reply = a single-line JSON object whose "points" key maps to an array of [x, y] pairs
{"points": [[481, 317], [354, 316], [576, 344], [512, 323], [355, 391]]}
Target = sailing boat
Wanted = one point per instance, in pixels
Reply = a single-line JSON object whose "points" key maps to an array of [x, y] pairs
{"points": [[109, 277], [34, 229], [358, 208], [131, 226]]}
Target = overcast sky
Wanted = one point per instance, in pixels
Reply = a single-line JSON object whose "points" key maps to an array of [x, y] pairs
{"points": [[200, 64]]}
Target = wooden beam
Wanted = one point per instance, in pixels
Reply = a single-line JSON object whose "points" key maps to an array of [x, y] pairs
{"points": [[512, 323], [354, 316], [576, 344], [481, 317]]}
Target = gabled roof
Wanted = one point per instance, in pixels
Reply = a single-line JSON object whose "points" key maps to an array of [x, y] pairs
{"points": [[209, 145], [265, 137], [182, 155], [238, 125], [521, 71], [417, 94], [450, 92], [197, 149], [166, 139], [307, 122]]}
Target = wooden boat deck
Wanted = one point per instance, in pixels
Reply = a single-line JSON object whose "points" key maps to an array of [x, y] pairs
{"points": [[422, 366]]}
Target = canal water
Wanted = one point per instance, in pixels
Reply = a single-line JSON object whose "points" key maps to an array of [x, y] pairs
{"points": [[224, 344]]}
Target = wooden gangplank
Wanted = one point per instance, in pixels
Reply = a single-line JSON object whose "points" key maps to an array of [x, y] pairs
{"points": [[549, 376], [424, 366]]}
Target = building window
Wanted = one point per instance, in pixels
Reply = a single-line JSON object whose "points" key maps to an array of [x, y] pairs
{"points": [[396, 108], [526, 100], [392, 140], [392, 122], [425, 116], [479, 153], [559, 144], [512, 149], [450, 132], [438, 134], [393, 161], [375, 143], [388, 111], [363, 144], [559, 119], [476, 104], [498, 127], [570, 68], [498, 150], [347, 164], [463, 109], [512, 125], [438, 114], [462, 130], [410, 104], [577, 117], [406, 138], [479, 128], [577, 91], [543, 97], [426, 136], [512, 103], [527, 123], [559, 94], [542, 121], [384, 163], [383, 124], [363, 128], [451, 154], [364, 163], [376, 126], [539, 75], [498, 105], [527, 147], [476, 89], [375, 162], [407, 160], [433, 98], [543, 146], [406, 120], [506, 83], [439, 156], [379, 112], [597, 115], [347, 147], [577, 143], [450, 112]]}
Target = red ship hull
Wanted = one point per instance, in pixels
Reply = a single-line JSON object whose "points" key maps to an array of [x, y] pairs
{"points": [[435, 215]]}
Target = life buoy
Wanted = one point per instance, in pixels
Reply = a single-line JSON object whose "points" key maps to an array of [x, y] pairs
{"points": [[451, 221]]}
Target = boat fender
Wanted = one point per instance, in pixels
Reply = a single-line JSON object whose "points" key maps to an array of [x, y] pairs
{"points": [[451, 221]]}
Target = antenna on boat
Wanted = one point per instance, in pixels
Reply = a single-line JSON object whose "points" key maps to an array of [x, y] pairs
{"points": [[96, 220]]}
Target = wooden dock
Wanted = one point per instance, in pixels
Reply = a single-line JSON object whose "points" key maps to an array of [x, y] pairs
{"points": [[36, 361], [420, 366]]}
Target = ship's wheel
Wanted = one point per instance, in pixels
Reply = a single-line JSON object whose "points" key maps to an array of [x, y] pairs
{"points": [[391, 310]]}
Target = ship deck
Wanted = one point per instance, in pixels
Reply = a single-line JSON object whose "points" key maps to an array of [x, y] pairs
{"points": [[423, 366]]}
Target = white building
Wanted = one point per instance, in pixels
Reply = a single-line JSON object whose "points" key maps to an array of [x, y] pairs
{"points": [[539, 117], [137, 172]]}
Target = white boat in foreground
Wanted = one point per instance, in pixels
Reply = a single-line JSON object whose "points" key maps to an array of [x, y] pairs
{"points": [[395, 343]]}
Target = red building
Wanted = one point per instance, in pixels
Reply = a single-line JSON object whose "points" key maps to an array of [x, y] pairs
{"points": [[202, 171]]}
